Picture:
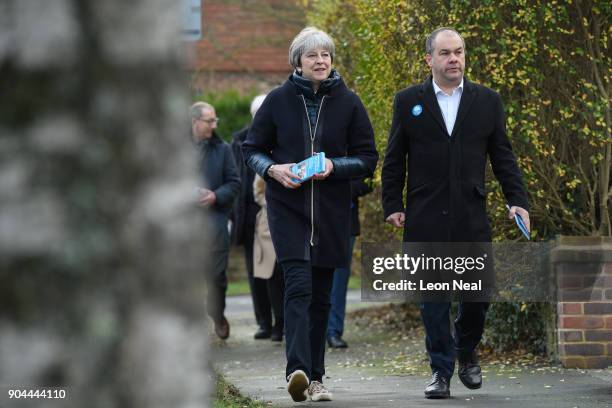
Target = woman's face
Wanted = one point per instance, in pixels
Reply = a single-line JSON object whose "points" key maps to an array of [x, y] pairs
{"points": [[316, 65]]}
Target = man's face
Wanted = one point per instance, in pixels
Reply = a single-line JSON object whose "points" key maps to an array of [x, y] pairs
{"points": [[447, 61], [203, 128]]}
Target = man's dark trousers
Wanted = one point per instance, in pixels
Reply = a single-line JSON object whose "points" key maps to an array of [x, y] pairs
{"points": [[215, 272], [441, 346]]}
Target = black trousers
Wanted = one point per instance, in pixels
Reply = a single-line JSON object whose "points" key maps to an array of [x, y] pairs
{"points": [[259, 287], [276, 289], [307, 292], [216, 284], [442, 346]]}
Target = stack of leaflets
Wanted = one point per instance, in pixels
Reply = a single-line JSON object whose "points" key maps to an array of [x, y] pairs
{"points": [[305, 169]]}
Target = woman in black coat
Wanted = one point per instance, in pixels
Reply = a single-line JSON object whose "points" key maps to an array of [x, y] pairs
{"points": [[313, 111]]}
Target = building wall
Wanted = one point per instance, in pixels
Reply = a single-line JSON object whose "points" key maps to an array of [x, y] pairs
{"points": [[244, 82], [244, 44]]}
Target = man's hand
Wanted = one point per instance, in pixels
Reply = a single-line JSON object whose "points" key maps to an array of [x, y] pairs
{"points": [[282, 173], [397, 219], [523, 213], [207, 197], [329, 167]]}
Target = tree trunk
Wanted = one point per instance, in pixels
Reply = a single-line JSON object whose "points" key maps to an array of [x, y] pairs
{"points": [[101, 274]]}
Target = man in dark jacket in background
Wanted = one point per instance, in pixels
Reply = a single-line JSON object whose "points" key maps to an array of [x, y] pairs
{"points": [[220, 185], [245, 211]]}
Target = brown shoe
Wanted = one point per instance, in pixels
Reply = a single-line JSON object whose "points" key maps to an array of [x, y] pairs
{"points": [[222, 328]]}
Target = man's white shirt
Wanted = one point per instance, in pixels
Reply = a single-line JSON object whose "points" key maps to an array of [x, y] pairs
{"points": [[449, 104]]}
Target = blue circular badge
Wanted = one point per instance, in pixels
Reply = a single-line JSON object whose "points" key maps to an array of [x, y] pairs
{"points": [[416, 110]]}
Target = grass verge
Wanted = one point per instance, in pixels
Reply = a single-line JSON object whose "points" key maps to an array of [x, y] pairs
{"points": [[228, 396]]}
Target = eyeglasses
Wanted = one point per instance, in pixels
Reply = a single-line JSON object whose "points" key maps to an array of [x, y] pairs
{"points": [[210, 121]]}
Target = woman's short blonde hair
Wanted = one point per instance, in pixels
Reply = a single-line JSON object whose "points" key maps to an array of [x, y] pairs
{"points": [[309, 39]]}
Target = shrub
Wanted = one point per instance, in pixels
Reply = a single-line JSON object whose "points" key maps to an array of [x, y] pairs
{"points": [[232, 108]]}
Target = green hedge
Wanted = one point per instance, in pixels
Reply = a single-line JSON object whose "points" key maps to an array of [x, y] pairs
{"points": [[232, 108]]}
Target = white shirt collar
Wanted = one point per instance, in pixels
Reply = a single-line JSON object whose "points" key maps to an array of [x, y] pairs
{"points": [[437, 89]]}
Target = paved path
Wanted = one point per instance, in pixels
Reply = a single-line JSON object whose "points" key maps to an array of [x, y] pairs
{"points": [[256, 367]]}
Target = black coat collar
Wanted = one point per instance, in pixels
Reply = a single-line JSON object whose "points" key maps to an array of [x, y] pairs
{"points": [[338, 89]]}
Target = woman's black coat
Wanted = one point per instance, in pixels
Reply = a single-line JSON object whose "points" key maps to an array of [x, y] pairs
{"points": [[280, 134]]}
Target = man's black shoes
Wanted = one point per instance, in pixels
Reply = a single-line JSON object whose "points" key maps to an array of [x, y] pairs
{"points": [[277, 334], [438, 388], [469, 370], [336, 342], [222, 328], [262, 333]]}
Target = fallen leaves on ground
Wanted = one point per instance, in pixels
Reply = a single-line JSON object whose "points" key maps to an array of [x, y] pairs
{"points": [[392, 338]]}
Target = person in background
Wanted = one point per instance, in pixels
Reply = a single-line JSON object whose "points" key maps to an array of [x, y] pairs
{"points": [[265, 266], [243, 214], [219, 186], [335, 327], [313, 111]]}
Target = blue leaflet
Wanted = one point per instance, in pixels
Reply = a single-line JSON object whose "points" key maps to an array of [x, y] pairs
{"points": [[305, 169], [521, 224]]}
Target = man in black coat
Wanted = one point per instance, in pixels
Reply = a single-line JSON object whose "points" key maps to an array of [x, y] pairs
{"points": [[244, 214], [220, 185], [441, 134]]}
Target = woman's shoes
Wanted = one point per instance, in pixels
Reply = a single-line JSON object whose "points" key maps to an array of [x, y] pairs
{"points": [[318, 392], [297, 386]]}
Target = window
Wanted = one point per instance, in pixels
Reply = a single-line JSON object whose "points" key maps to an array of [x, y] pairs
{"points": [[191, 13]]}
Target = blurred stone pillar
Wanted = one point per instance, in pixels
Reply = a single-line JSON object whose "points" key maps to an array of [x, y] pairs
{"points": [[101, 273]]}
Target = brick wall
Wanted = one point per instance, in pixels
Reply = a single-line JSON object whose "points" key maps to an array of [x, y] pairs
{"points": [[212, 81], [244, 44], [583, 272]]}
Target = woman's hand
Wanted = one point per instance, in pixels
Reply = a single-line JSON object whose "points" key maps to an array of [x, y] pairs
{"points": [[282, 173], [329, 167]]}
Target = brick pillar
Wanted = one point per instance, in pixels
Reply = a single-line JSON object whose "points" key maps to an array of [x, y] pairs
{"points": [[582, 268]]}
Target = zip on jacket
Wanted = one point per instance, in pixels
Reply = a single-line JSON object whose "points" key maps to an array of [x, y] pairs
{"points": [[312, 138]]}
